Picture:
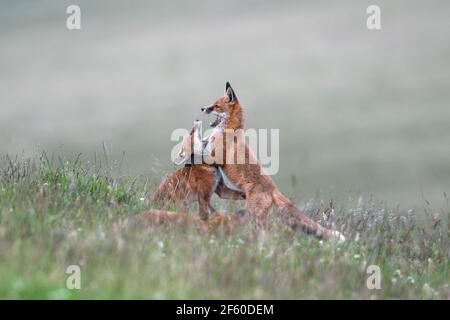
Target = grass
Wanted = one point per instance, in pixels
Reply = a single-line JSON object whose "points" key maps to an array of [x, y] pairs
{"points": [[56, 213]]}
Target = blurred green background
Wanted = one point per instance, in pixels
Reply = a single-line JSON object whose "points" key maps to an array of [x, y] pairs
{"points": [[360, 112]]}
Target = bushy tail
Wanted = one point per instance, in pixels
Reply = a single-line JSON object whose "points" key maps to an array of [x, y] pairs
{"points": [[298, 220]]}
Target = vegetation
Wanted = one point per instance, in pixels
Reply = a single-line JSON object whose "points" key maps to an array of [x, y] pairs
{"points": [[56, 213]]}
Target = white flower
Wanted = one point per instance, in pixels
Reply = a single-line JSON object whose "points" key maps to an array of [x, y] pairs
{"points": [[428, 290], [411, 280]]}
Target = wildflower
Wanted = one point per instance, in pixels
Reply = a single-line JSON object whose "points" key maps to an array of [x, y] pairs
{"points": [[411, 280], [429, 291]]}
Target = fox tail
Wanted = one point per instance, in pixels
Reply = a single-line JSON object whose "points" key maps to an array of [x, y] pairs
{"points": [[298, 220]]}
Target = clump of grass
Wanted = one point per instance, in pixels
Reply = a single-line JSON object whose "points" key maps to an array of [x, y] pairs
{"points": [[56, 213]]}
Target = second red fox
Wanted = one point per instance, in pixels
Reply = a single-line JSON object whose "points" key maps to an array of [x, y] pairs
{"points": [[193, 182]]}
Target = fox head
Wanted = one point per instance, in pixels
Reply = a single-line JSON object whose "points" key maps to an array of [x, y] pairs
{"points": [[226, 107], [191, 144]]}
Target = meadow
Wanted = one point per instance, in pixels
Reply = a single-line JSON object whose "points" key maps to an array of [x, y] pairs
{"points": [[55, 213]]}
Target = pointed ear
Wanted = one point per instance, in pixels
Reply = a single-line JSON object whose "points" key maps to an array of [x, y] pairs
{"points": [[229, 93]]}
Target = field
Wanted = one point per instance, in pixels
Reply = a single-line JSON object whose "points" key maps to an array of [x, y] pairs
{"points": [[364, 124], [61, 213]]}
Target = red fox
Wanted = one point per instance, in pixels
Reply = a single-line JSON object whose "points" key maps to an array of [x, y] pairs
{"points": [[194, 182], [218, 221], [260, 191]]}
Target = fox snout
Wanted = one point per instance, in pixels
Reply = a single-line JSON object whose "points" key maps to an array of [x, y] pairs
{"points": [[207, 109]]}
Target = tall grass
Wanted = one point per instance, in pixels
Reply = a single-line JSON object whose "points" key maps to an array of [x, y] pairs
{"points": [[55, 213]]}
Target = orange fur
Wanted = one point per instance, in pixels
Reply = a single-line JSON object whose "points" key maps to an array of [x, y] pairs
{"points": [[196, 182], [261, 192]]}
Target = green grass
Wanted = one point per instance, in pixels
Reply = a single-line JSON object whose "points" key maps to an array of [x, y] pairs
{"points": [[58, 213]]}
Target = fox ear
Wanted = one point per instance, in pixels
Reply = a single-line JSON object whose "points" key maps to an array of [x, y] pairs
{"points": [[229, 93]]}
